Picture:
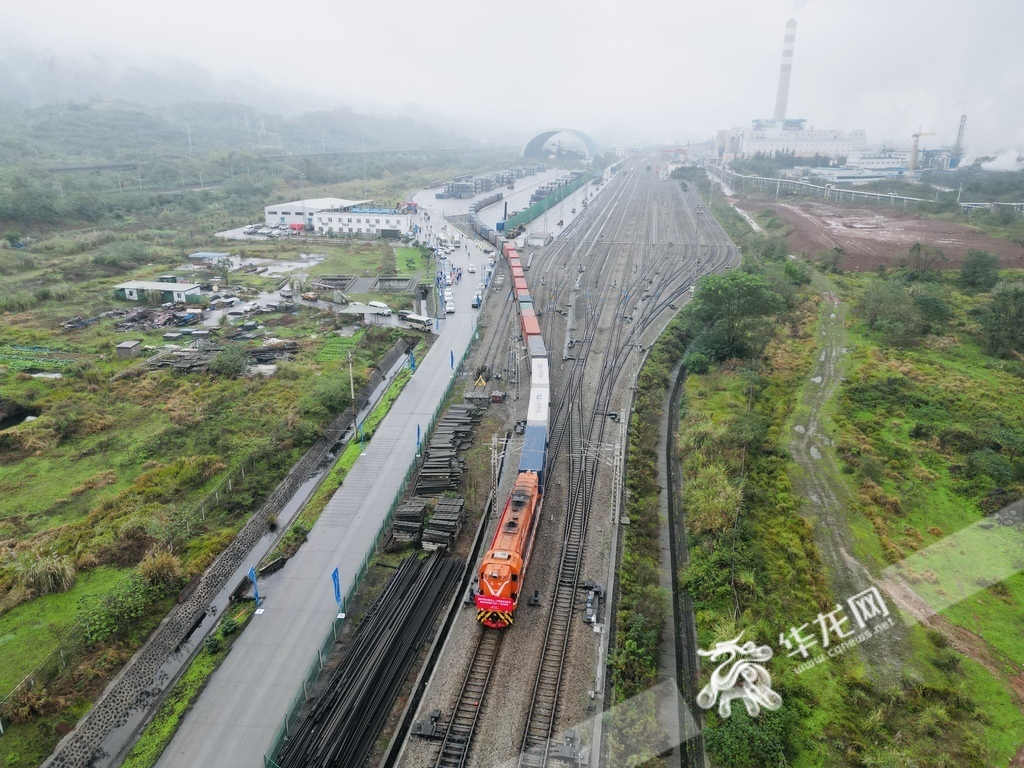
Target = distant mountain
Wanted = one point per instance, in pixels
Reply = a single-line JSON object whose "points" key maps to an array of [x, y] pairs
{"points": [[35, 77], [119, 130], [95, 108]]}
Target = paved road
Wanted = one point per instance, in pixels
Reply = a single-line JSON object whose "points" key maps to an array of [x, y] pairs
{"points": [[239, 713]]}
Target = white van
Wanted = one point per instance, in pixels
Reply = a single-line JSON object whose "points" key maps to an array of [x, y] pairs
{"points": [[384, 308]]}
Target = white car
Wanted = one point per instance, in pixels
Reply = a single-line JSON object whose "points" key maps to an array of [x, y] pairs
{"points": [[471, 268], [449, 307], [447, 294]]}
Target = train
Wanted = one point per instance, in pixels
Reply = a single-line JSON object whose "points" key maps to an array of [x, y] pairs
{"points": [[499, 582]]}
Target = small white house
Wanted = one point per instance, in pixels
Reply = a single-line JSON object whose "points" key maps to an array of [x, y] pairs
{"points": [[180, 293]]}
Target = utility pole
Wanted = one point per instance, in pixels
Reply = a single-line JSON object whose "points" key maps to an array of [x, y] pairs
{"points": [[700, 222], [352, 393], [188, 130]]}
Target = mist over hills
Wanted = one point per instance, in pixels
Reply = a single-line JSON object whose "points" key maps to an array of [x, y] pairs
{"points": [[94, 108]]}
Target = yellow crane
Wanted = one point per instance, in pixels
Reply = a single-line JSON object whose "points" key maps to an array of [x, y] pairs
{"points": [[913, 152]]}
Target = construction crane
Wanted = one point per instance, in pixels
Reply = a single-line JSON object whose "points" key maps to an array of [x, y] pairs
{"points": [[913, 152]]}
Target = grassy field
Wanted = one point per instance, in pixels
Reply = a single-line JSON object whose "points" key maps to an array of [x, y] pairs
{"points": [[32, 630], [112, 467], [754, 563]]}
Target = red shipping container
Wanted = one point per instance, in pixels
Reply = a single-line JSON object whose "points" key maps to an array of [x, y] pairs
{"points": [[531, 326]]}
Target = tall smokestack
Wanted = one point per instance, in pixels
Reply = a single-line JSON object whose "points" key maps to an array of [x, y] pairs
{"points": [[782, 97]]}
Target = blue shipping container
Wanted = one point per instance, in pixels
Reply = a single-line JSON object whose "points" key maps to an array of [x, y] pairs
{"points": [[534, 448]]}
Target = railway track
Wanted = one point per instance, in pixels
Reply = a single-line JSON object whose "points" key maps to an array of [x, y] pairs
{"points": [[632, 259], [459, 736]]}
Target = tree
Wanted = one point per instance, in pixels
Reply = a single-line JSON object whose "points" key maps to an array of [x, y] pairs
{"points": [[835, 258], [924, 259], [980, 270], [12, 237], [934, 310], [887, 307], [1003, 320], [729, 312]]}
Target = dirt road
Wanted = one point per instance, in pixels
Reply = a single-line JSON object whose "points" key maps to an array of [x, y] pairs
{"points": [[827, 500]]}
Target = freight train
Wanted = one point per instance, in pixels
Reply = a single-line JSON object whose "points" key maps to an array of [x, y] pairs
{"points": [[500, 580]]}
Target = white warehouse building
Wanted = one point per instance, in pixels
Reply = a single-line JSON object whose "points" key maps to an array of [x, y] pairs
{"points": [[303, 211], [332, 215], [363, 220]]}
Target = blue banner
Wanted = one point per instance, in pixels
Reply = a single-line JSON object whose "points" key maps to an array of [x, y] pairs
{"points": [[337, 587]]}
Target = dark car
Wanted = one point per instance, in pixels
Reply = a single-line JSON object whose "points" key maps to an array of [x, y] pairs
{"points": [[403, 313]]}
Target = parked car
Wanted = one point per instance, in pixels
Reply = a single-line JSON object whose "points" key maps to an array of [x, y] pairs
{"points": [[471, 267], [403, 313], [476, 301], [449, 307], [447, 294]]}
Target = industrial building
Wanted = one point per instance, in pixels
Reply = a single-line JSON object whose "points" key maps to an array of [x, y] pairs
{"points": [[334, 216], [303, 211], [365, 221], [787, 135]]}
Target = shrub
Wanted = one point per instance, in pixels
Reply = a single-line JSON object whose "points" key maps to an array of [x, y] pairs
{"points": [[213, 644], [697, 363], [233, 361], [228, 626], [162, 569], [46, 574]]}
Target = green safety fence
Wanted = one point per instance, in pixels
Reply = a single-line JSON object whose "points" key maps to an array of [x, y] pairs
{"points": [[302, 695], [548, 202]]}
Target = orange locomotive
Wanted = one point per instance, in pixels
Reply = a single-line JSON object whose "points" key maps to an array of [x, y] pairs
{"points": [[504, 565]]}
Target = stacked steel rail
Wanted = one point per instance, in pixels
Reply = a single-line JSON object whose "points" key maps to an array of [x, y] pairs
{"points": [[341, 727]]}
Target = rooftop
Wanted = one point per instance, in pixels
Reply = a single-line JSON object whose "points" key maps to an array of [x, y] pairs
{"points": [[152, 285], [317, 204]]}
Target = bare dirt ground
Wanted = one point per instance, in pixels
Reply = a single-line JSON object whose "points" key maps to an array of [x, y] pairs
{"points": [[878, 235]]}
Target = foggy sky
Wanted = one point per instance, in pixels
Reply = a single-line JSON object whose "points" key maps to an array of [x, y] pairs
{"points": [[644, 70]]}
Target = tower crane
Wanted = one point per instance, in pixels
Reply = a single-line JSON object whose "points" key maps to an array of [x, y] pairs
{"points": [[913, 152]]}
